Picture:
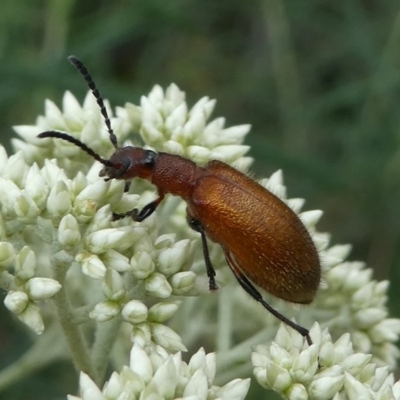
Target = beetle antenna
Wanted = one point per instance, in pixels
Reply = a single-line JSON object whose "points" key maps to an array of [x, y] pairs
{"points": [[92, 86], [76, 142]]}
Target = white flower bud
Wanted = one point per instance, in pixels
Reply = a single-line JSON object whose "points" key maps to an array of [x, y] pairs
{"points": [[193, 127], [7, 254], [105, 311], [231, 152], [69, 234], [9, 192], [206, 362], [16, 301], [150, 113], [343, 347], [88, 389], [35, 187], [297, 392], [161, 312], [91, 265], [235, 390], [368, 317], [53, 114], [94, 192], [113, 285], [325, 387], [112, 238], [25, 208], [140, 363], [16, 168], [25, 264], [141, 334], [59, 201], [177, 118], [150, 134], [173, 97], [115, 193], [157, 285], [326, 354], [170, 260], [305, 365], [354, 363], [173, 147], [165, 379], [183, 282], [214, 134], [135, 312], [234, 134], [52, 173], [3, 156], [197, 386], [164, 241], [42, 288], [31, 316], [198, 154], [166, 337], [310, 218], [355, 389], [142, 265], [115, 260], [114, 387], [134, 115], [279, 355], [361, 298], [386, 331], [358, 278], [277, 378]]}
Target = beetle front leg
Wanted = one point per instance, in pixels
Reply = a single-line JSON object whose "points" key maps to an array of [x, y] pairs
{"points": [[198, 227], [139, 216]]}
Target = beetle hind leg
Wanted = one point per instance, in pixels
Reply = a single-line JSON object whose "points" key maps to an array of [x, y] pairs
{"points": [[198, 227], [253, 292]]}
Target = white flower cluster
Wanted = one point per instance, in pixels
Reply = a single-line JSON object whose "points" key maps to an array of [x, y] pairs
{"points": [[156, 375], [57, 239], [350, 300], [324, 370], [58, 242]]}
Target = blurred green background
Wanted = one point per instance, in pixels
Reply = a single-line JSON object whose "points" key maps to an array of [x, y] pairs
{"points": [[318, 80]]}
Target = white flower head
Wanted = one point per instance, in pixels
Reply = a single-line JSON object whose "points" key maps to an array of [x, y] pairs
{"points": [[155, 374], [324, 370]]}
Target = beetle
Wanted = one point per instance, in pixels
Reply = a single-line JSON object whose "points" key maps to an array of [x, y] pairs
{"points": [[263, 240]]}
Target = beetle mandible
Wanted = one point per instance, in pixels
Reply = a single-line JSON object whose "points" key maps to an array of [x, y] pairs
{"points": [[263, 240]]}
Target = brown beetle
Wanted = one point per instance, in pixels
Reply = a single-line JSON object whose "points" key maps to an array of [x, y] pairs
{"points": [[263, 240]]}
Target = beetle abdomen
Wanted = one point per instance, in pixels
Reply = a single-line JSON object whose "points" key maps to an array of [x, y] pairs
{"points": [[270, 244]]}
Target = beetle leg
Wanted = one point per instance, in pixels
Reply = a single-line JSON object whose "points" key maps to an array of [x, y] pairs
{"points": [[139, 216], [198, 227], [253, 292], [127, 185]]}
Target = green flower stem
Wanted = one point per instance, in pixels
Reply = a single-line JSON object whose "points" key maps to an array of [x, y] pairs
{"points": [[237, 359], [106, 334], [37, 357], [73, 333], [224, 336]]}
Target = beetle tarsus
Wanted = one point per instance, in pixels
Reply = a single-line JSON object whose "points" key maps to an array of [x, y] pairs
{"points": [[133, 214]]}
